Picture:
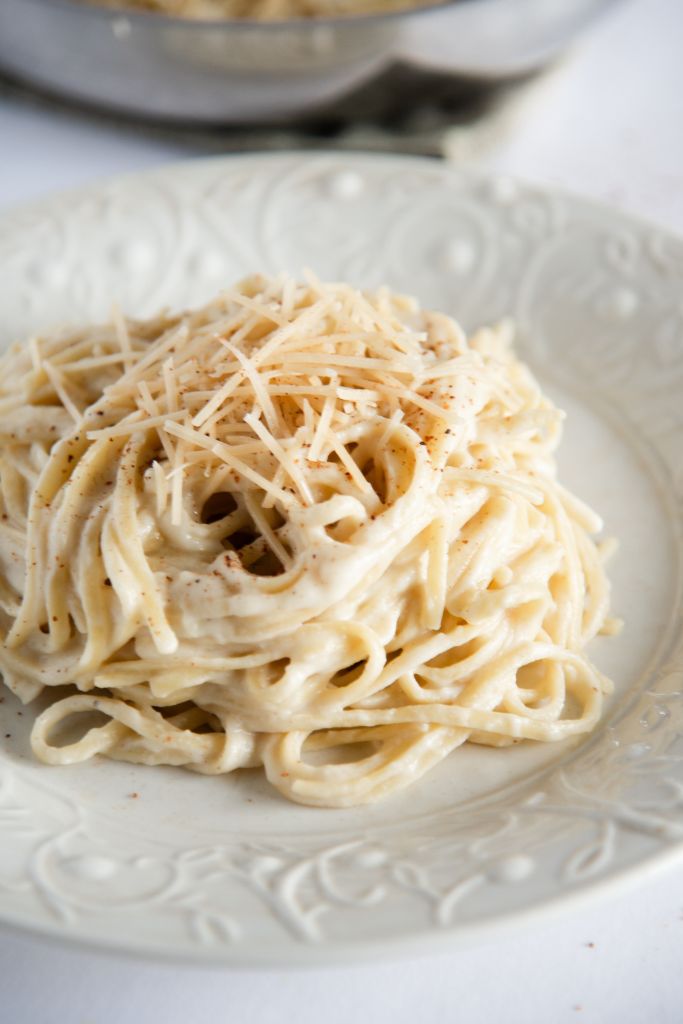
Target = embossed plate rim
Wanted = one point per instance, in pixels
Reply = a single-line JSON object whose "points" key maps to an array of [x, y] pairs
{"points": [[331, 180]]}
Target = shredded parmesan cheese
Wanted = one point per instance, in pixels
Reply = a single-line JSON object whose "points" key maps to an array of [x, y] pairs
{"points": [[301, 518]]}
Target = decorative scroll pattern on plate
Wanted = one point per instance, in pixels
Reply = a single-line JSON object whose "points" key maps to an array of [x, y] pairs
{"points": [[598, 301]]}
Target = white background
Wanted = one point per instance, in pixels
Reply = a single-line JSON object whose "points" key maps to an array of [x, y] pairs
{"points": [[608, 123]]}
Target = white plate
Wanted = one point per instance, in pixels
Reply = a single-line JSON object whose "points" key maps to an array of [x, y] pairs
{"points": [[159, 861]]}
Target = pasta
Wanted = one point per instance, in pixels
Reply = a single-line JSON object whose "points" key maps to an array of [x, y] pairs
{"points": [[304, 528], [262, 10]]}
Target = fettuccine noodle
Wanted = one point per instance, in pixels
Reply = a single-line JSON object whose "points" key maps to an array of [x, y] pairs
{"points": [[303, 527]]}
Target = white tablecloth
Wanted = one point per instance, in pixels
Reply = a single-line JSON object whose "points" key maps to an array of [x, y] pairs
{"points": [[608, 123]]}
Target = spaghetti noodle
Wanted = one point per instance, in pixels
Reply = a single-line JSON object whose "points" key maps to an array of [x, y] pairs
{"points": [[303, 527], [262, 10]]}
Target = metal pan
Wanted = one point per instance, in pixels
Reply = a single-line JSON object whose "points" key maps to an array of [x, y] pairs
{"points": [[238, 72]]}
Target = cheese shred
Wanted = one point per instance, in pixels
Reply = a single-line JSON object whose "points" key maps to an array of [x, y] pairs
{"points": [[297, 520]]}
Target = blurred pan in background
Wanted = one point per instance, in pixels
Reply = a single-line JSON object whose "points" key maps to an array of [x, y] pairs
{"points": [[254, 72]]}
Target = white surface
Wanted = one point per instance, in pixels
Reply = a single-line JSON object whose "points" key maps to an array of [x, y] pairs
{"points": [[609, 126], [545, 975]]}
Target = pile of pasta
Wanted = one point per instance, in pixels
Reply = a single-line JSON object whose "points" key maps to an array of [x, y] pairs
{"points": [[262, 10], [304, 528]]}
